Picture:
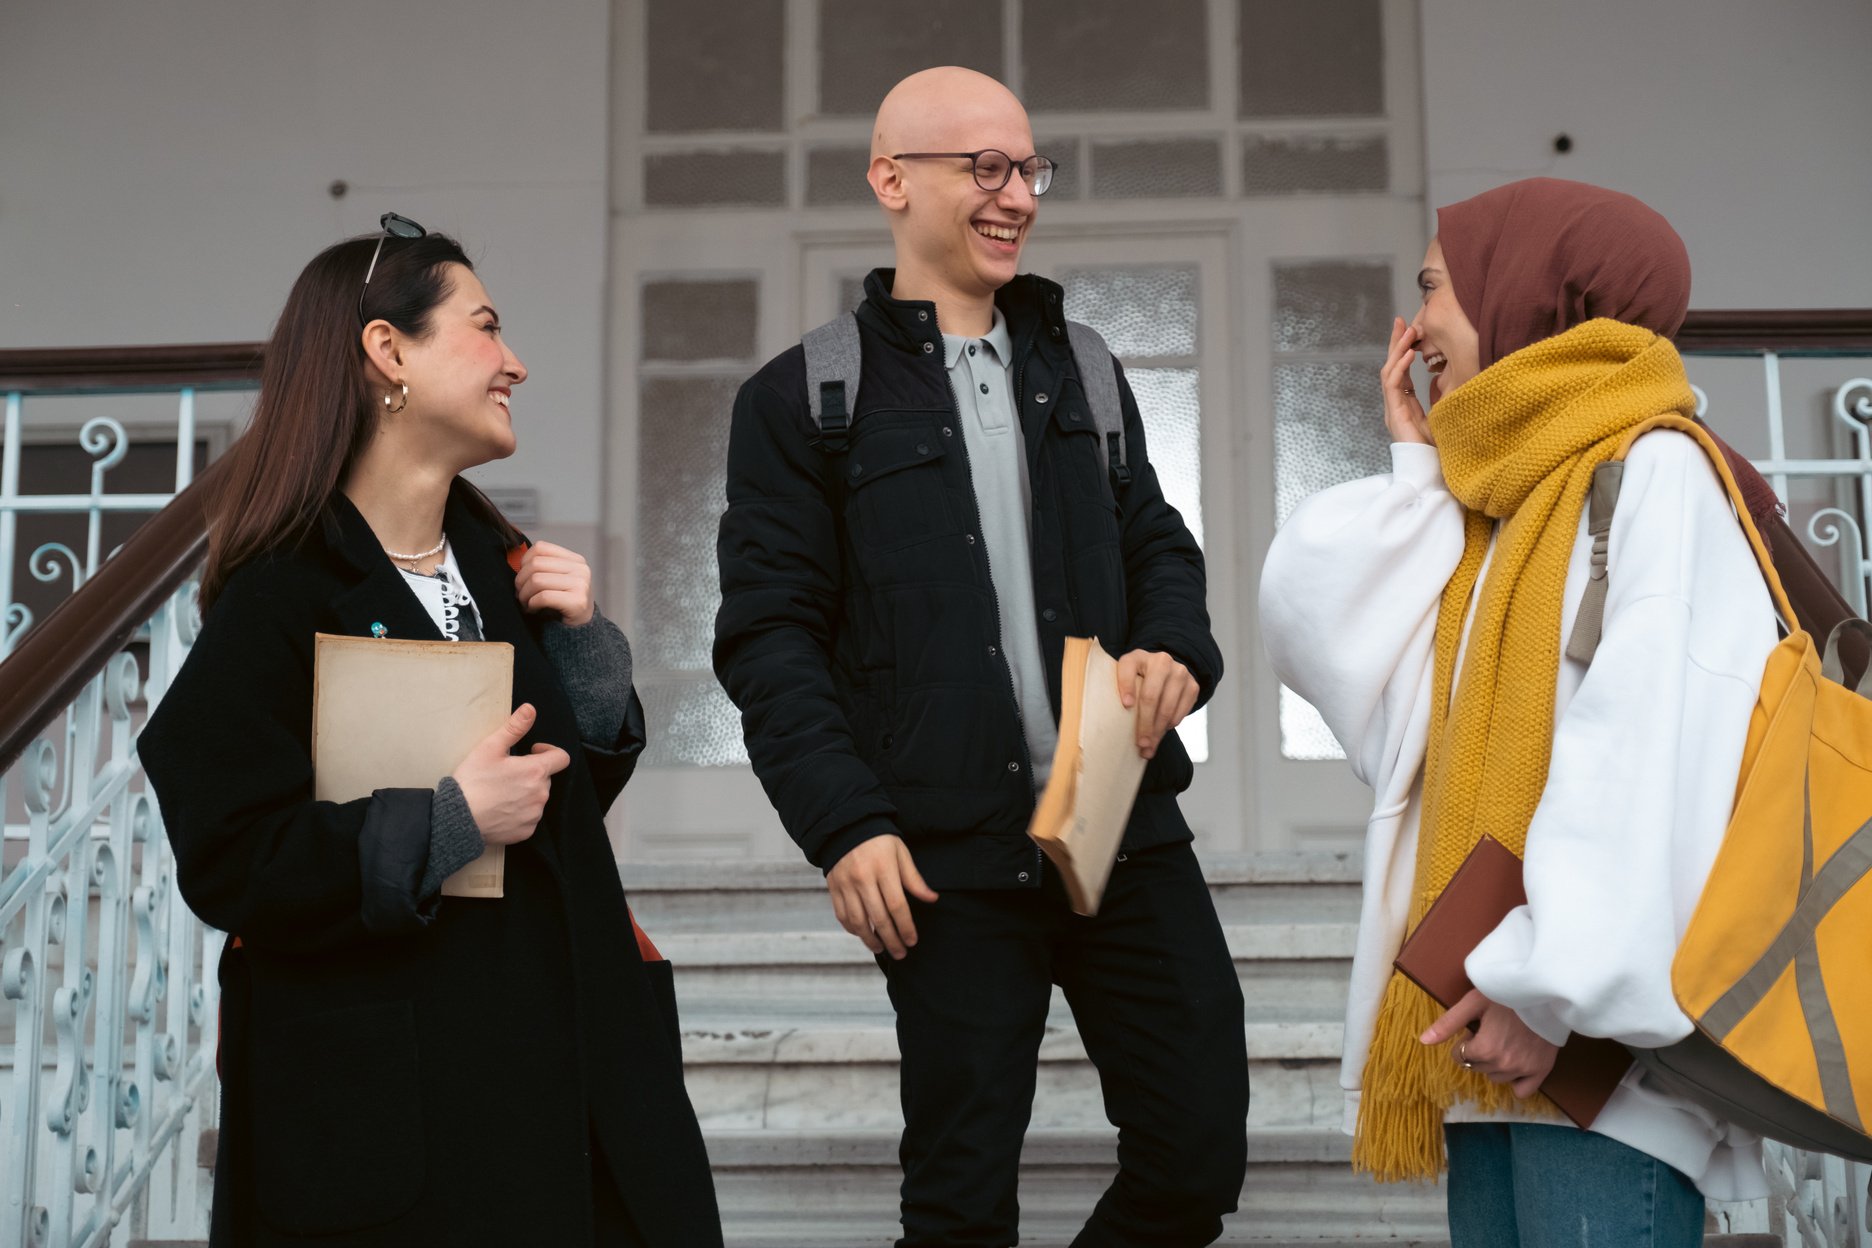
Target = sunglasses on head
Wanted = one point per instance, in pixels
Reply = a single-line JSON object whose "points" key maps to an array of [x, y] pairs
{"points": [[393, 225]]}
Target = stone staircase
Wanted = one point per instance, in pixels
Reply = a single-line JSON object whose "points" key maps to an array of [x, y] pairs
{"points": [[791, 1063], [791, 1059]]}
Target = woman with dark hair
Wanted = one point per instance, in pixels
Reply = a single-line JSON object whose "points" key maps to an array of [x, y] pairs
{"points": [[399, 1068], [1427, 614]]}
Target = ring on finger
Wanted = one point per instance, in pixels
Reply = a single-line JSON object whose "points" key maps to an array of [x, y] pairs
{"points": [[1462, 1058]]}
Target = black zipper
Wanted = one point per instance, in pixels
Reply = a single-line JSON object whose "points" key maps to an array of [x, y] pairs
{"points": [[1020, 394], [981, 538]]}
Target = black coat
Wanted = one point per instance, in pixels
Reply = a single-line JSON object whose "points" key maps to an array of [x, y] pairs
{"points": [[397, 1074], [859, 631]]}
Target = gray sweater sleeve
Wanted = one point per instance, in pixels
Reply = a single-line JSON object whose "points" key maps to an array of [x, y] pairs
{"points": [[454, 837], [594, 664]]}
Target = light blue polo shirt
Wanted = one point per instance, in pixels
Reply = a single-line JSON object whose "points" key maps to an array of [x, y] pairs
{"points": [[991, 433]]}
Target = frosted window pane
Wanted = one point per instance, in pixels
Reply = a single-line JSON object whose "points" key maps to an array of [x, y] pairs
{"points": [[1304, 735], [1106, 55], [1332, 305], [681, 491], [692, 179], [1140, 312], [715, 65], [866, 47], [1067, 179], [699, 320], [1167, 169], [1328, 428], [1194, 733], [836, 175], [1170, 401], [691, 723], [1313, 164], [1323, 58]]}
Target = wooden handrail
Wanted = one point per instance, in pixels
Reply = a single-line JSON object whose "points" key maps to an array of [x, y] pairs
{"points": [[49, 668], [1839, 331], [67, 370]]}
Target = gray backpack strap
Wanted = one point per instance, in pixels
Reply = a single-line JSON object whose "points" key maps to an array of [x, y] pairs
{"points": [[1098, 373], [1590, 622], [833, 356]]}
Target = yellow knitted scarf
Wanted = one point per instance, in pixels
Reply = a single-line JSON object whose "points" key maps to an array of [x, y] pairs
{"points": [[1518, 444]]}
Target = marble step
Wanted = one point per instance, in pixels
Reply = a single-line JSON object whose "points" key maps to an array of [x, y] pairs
{"points": [[1300, 1189], [766, 895], [1298, 965], [837, 1073]]}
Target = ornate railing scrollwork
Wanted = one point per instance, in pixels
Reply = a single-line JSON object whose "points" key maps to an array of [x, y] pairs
{"points": [[108, 1010]]}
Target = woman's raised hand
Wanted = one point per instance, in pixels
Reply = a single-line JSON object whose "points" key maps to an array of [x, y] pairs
{"points": [[552, 578], [1403, 414], [507, 792]]}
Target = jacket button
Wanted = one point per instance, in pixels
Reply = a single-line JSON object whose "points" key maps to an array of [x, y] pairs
{"points": [[1049, 615], [857, 470], [971, 538], [1022, 877], [1073, 417], [1057, 332], [984, 387], [923, 315], [948, 432], [922, 448], [1014, 765], [992, 652], [1041, 397], [929, 348], [888, 741]]}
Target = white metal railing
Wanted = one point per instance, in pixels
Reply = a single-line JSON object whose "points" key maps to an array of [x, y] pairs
{"points": [[108, 1001], [1817, 1201]]}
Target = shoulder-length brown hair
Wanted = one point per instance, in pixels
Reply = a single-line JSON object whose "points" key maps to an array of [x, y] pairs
{"points": [[318, 407]]}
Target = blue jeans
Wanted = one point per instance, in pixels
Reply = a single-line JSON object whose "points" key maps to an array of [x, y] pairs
{"points": [[1530, 1185]]}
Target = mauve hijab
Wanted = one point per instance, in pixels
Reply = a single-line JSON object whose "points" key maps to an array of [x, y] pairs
{"points": [[1535, 258]]}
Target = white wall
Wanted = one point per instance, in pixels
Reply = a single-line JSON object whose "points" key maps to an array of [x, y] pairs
{"points": [[1748, 123], [164, 165]]}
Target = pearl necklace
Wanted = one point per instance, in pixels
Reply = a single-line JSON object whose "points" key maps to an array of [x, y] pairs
{"points": [[431, 552]]}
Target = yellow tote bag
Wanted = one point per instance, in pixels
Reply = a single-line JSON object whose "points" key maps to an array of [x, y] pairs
{"points": [[1774, 968]]}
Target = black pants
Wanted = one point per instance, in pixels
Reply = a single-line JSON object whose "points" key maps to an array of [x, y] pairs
{"points": [[1153, 989]]}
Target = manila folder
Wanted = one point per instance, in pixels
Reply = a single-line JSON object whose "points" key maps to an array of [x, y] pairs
{"points": [[1081, 818], [403, 714]]}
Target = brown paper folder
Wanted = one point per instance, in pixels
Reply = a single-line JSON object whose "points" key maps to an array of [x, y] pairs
{"points": [[1081, 818], [1479, 896], [403, 714]]}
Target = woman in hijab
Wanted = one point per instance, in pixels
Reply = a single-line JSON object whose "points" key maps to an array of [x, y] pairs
{"points": [[1425, 613]]}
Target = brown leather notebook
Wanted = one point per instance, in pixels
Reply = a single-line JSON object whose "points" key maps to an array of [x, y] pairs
{"points": [[1481, 893]]}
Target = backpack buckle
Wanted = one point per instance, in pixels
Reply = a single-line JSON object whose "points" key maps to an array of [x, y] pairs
{"points": [[1114, 461], [834, 420]]}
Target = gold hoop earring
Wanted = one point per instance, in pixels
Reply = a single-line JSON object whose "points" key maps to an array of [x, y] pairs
{"points": [[399, 407]]}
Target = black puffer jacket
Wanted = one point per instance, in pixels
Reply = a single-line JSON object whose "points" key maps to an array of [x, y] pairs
{"points": [[859, 631]]}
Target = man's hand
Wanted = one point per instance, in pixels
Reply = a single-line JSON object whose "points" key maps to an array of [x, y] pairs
{"points": [[1505, 1049], [1163, 691], [868, 886]]}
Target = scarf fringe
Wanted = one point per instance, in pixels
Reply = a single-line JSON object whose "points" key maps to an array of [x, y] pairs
{"points": [[1409, 1086]]}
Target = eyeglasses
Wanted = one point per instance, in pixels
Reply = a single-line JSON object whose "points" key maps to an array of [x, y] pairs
{"points": [[994, 169], [393, 226]]}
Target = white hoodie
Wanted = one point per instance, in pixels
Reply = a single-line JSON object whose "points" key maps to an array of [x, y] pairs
{"points": [[1647, 744]]}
